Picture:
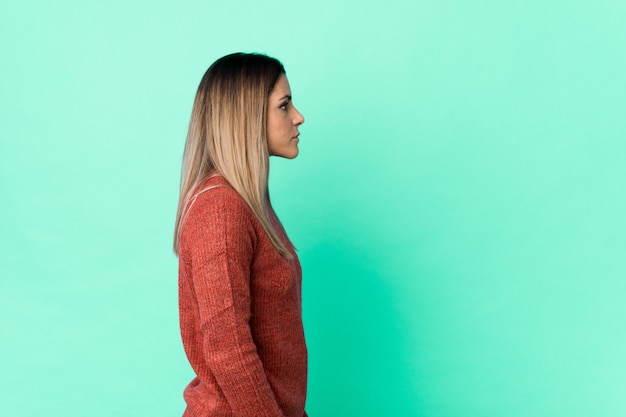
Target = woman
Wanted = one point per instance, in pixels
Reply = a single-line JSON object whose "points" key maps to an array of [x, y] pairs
{"points": [[239, 275]]}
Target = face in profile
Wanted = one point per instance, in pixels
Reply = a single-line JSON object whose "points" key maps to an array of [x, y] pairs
{"points": [[283, 120]]}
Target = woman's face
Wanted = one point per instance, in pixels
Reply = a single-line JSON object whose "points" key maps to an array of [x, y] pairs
{"points": [[283, 120]]}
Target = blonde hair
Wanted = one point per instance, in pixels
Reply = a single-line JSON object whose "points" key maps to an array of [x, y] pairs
{"points": [[228, 134]]}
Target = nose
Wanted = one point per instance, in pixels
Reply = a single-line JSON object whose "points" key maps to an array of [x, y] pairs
{"points": [[299, 119]]}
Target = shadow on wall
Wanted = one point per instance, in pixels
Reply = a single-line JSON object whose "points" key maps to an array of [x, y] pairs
{"points": [[357, 341]]}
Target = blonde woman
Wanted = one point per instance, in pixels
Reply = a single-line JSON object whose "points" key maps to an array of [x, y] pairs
{"points": [[239, 275]]}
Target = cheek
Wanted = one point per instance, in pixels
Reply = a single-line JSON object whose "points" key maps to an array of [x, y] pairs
{"points": [[272, 130], [279, 128], [275, 126]]}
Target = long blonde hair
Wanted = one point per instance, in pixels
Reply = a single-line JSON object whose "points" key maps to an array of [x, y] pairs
{"points": [[228, 134]]}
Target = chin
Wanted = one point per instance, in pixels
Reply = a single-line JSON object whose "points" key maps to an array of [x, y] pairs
{"points": [[288, 154]]}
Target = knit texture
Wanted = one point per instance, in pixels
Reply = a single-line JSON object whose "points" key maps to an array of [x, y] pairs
{"points": [[240, 312]]}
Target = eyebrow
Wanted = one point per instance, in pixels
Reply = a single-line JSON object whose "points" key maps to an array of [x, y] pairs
{"points": [[288, 97]]}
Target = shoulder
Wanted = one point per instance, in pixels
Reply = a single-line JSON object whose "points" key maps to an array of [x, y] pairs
{"points": [[216, 212], [216, 198]]}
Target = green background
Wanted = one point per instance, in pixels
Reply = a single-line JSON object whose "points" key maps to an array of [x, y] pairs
{"points": [[458, 202]]}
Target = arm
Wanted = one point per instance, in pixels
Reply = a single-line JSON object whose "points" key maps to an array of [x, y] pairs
{"points": [[220, 240]]}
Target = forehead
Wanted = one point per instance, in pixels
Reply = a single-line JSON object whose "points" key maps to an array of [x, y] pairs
{"points": [[281, 88]]}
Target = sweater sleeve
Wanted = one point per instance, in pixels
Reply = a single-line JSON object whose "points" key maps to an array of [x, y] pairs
{"points": [[220, 242]]}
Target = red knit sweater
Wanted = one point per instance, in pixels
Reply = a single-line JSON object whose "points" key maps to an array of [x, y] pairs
{"points": [[240, 312]]}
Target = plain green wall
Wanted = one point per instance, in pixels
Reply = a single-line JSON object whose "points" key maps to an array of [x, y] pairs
{"points": [[458, 204]]}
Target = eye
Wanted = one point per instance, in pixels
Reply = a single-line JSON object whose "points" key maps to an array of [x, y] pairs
{"points": [[284, 105]]}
